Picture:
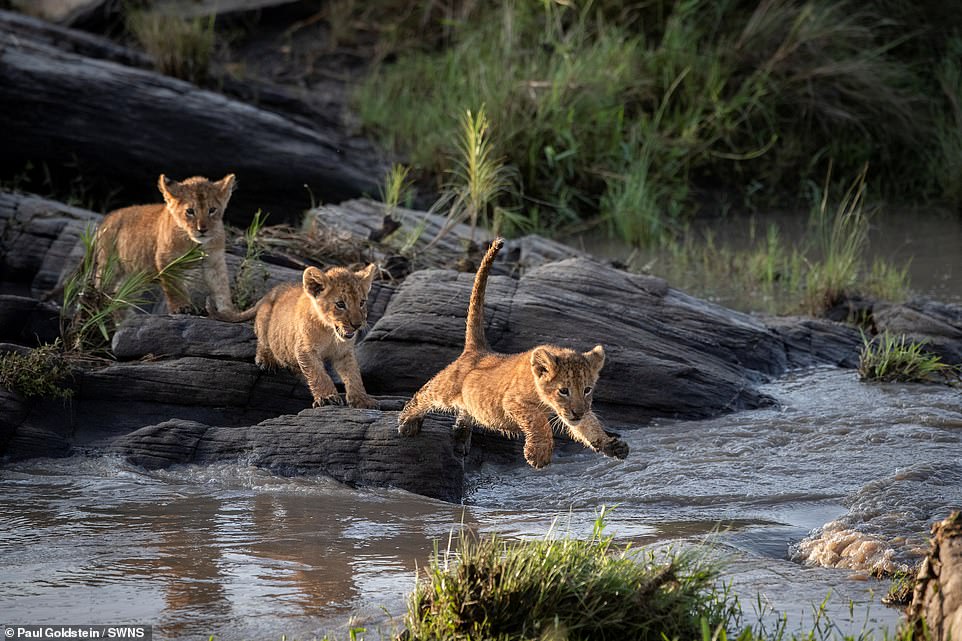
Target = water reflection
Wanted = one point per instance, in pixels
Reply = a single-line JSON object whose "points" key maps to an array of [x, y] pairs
{"points": [[237, 552]]}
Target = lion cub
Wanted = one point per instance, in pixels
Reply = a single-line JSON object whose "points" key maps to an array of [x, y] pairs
{"points": [[300, 327], [516, 393], [148, 237]]}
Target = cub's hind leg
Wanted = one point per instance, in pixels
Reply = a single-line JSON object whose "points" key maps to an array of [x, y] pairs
{"points": [[264, 357], [410, 418]]}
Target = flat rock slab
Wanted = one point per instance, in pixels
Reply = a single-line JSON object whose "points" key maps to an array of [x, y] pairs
{"points": [[358, 447]]}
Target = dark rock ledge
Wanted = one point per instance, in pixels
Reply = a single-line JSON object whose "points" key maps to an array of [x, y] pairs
{"points": [[185, 389]]}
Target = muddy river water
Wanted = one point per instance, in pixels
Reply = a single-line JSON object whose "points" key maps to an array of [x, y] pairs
{"points": [[800, 502]]}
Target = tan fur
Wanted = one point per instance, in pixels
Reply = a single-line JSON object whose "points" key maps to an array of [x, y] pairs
{"points": [[516, 393], [148, 237], [302, 326]]}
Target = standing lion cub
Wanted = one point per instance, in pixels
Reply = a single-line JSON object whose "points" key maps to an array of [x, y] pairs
{"points": [[148, 237], [516, 393], [302, 326]]}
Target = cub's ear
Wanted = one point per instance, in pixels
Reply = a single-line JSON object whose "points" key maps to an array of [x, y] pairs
{"points": [[366, 275], [226, 185], [169, 188], [315, 281], [596, 358], [543, 362]]}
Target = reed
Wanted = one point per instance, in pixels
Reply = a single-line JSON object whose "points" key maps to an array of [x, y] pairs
{"points": [[179, 47], [627, 117]]}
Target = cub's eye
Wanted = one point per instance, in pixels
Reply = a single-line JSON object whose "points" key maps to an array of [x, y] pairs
{"points": [[587, 391], [190, 212], [362, 303], [340, 305], [212, 211], [564, 391]]}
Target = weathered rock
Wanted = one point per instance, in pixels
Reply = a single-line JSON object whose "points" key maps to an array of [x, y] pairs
{"points": [[63, 11], [180, 335], [421, 233], [52, 100], [359, 447], [28, 321], [668, 354], [40, 241], [938, 325], [936, 607], [13, 411], [816, 341]]}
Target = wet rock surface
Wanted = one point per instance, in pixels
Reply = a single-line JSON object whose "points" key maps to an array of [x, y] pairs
{"points": [[358, 447]]}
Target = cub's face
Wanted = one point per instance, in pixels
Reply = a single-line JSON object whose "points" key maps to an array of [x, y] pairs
{"points": [[197, 205], [566, 379], [339, 297]]}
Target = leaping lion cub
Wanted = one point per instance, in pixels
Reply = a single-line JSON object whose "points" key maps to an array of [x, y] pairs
{"points": [[516, 393], [148, 237], [301, 326]]}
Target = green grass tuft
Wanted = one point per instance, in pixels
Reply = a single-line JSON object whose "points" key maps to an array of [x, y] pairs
{"points": [[551, 588], [841, 235], [179, 47], [478, 177], [252, 275], [397, 188], [42, 372], [893, 358]]}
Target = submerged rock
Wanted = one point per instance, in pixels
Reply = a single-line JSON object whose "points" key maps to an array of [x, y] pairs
{"points": [[358, 447]]}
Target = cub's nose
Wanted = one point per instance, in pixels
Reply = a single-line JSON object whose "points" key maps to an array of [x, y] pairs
{"points": [[576, 416], [201, 230]]}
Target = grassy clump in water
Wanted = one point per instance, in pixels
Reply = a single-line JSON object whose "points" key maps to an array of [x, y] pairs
{"points": [[811, 274], [490, 588], [42, 372], [891, 358], [612, 114]]}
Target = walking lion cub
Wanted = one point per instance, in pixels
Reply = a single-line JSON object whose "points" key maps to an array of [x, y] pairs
{"points": [[149, 237], [516, 393], [300, 326]]}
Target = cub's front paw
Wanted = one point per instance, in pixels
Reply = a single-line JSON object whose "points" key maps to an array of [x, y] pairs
{"points": [[409, 426], [537, 456], [362, 401], [332, 399], [615, 448]]}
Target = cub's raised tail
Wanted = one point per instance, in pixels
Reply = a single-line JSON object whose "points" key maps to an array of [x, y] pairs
{"points": [[474, 339]]}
